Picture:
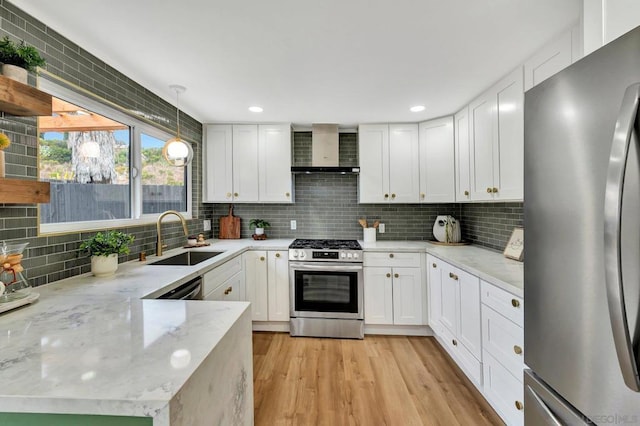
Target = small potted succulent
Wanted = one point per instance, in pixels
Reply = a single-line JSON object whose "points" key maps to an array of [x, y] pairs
{"points": [[260, 225], [19, 59], [104, 248]]}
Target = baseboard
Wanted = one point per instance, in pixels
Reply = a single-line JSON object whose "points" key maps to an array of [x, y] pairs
{"points": [[399, 330], [282, 326]]}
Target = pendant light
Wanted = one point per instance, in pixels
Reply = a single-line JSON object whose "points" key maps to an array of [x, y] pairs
{"points": [[176, 151]]}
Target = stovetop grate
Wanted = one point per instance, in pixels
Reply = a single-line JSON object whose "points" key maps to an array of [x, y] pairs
{"points": [[325, 244]]}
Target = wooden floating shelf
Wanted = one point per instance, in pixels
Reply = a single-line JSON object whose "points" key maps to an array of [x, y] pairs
{"points": [[23, 100], [20, 191]]}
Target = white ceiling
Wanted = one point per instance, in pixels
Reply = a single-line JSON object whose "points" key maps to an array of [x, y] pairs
{"points": [[332, 61]]}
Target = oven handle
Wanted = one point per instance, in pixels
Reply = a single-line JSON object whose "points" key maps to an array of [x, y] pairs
{"points": [[323, 266]]}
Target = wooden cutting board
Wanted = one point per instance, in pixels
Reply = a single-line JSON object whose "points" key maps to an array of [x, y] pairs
{"points": [[229, 226]]}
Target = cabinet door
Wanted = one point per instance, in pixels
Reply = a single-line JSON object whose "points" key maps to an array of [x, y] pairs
{"points": [[552, 58], [255, 272], [481, 133], [469, 324], [449, 307], [408, 296], [435, 293], [437, 171], [373, 151], [508, 160], [274, 156], [404, 163], [278, 285], [218, 163], [245, 163], [378, 296], [230, 290], [462, 155]]}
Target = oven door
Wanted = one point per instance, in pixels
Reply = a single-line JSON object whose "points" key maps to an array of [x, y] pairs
{"points": [[326, 290]]}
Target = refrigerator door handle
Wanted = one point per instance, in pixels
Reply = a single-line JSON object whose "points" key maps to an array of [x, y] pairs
{"points": [[542, 408], [612, 237]]}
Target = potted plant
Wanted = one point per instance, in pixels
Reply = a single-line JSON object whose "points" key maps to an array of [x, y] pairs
{"points": [[18, 59], [104, 249], [260, 225]]}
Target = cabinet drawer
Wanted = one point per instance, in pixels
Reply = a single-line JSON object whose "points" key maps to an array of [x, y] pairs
{"points": [[504, 391], [463, 357], [392, 259], [228, 291], [503, 302], [222, 273], [503, 339]]}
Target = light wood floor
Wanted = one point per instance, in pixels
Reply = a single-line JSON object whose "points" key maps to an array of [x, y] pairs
{"points": [[381, 380]]}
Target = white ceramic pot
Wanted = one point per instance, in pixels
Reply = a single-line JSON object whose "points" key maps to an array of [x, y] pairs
{"points": [[259, 231], [15, 73], [104, 266]]}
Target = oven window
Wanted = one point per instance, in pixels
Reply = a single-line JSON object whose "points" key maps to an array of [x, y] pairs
{"points": [[321, 291]]}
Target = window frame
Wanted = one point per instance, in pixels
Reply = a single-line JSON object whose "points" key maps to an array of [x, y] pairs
{"points": [[137, 126]]}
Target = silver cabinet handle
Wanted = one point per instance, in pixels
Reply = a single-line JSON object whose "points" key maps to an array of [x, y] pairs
{"points": [[612, 236], [542, 408]]}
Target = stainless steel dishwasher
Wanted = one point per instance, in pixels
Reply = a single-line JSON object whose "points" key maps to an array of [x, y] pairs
{"points": [[191, 290]]}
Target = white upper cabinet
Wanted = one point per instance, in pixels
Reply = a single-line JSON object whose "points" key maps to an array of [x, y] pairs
{"points": [[437, 175], [373, 142], [496, 131], [274, 163], [404, 164], [552, 58], [389, 163], [218, 156], [247, 163], [462, 155]]}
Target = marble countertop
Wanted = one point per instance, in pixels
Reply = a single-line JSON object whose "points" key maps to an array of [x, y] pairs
{"points": [[104, 346], [486, 264]]}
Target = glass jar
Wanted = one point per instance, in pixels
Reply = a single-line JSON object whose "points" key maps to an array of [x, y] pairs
{"points": [[16, 285]]}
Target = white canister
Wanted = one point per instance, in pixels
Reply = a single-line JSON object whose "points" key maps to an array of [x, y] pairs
{"points": [[369, 235]]}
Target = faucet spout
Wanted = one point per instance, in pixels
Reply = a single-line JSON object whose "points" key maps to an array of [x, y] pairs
{"points": [[159, 245]]}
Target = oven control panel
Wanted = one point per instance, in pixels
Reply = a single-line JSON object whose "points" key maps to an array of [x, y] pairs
{"points": [[313, 255]]}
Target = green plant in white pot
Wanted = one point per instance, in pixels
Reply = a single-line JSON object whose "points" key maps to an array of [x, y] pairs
{"points": [[104, 248], [260, 225], [18, 59]]}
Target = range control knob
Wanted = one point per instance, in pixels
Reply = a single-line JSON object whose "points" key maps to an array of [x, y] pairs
{"points": [[349, 255], [343, 255], [301, 254], [356, 255], [294, 253]]}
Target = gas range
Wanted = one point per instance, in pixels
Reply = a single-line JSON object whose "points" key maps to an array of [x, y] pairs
{"points": [[326, 251]]}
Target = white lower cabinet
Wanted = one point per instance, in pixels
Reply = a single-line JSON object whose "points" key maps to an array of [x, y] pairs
{"points": [[394, 291], [460, 317], [481, 326], [267, 284], [503, 351], [225, 282]]}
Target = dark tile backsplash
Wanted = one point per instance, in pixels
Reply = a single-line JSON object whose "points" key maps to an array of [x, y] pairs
{"points": [[326, 205], [50, 258]]}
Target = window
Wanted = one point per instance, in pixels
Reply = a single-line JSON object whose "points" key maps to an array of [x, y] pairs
{"points": [[105, 167]]}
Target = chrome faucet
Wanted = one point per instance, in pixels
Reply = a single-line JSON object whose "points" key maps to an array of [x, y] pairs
{"points": [[159, 245]]}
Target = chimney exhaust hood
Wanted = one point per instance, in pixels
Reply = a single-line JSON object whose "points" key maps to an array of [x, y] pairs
{"points": [[324, 152]]}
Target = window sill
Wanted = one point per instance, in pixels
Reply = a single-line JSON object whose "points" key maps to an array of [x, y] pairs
{"points": [[47, 229]]}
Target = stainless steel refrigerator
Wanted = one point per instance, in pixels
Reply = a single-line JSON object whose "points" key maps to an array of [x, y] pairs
{"points": [[582, 252]]}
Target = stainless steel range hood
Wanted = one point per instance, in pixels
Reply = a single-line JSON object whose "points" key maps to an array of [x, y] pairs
{"points": [[324, 152]]}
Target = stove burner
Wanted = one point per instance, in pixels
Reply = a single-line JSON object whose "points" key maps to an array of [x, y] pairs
{"points": [[326, 244]]}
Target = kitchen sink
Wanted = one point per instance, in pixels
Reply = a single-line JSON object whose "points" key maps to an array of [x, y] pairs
{"points": [[188, 258]]}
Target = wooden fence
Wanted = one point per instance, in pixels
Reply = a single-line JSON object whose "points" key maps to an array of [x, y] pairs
{"points": [[73, 202]]}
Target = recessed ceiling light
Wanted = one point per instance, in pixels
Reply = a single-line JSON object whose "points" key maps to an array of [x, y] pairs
{"points": [[255, 109], [417, 108]]}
